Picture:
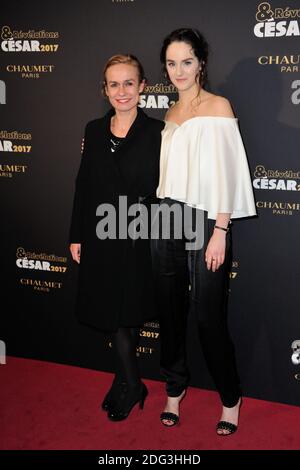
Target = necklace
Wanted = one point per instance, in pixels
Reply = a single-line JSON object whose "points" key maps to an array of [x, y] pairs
{"points": [[115, 142], [118, 128]]}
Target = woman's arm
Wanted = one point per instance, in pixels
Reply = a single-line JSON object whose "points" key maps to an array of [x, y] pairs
{"points": [[215, 252], [77, 212]]}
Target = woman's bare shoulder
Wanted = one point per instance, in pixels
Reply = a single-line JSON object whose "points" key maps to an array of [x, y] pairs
{"points": [[171, 111], [219, 106]]}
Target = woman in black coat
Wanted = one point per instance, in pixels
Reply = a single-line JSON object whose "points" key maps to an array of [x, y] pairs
{"points": [[119, 167]]}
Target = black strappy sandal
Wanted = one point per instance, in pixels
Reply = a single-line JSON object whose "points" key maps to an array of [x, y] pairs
{"points": [[173, 417], [170, 417], [226, 426]]}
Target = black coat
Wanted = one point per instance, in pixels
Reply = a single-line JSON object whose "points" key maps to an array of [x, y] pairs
{"points": [[115, 286]]}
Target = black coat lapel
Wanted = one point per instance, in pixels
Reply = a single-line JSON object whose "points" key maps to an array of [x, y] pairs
{"points": [[114, 157]]}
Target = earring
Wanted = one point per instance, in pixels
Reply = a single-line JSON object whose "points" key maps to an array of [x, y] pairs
{"points": [[166, 77]]}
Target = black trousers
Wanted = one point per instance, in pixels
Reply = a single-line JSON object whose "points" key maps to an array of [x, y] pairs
{"points": [[176, 269]]}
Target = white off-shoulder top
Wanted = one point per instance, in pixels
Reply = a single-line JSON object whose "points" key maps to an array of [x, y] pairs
{"points": [[203, 163]]}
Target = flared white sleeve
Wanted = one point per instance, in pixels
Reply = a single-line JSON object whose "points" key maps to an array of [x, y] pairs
{"points": [[203, 163]]}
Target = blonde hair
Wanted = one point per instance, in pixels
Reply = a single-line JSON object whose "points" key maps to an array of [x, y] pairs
{"points": [[122, 59]]}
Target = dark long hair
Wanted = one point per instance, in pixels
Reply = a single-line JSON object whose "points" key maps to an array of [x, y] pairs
{"points": [[196, 40]]}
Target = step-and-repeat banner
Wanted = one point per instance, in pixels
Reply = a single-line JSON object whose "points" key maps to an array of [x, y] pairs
{"points": [[52, 54]]}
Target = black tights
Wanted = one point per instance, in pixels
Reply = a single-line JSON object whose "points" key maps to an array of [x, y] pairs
{"points": [[125, 341]]}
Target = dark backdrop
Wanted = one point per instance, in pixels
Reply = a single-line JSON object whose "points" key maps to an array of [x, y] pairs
{"points": [[48, 95]]}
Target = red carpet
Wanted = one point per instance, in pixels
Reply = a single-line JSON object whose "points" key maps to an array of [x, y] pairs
{"points": [[51, 406]]}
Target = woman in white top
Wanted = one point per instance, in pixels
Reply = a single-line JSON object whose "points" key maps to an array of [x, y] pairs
{"points": [[203, 166]]}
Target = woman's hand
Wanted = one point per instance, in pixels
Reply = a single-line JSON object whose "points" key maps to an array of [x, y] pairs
{"points": [[215, 252], [75, 249]]}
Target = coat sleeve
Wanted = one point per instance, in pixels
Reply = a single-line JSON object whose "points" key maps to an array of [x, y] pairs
{"points": [[81, 184], [150, 189]]}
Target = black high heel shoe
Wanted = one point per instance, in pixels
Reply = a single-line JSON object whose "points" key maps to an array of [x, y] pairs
{"points": [[227, 426], [128, 399], [173, 418], [112, 396]]}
